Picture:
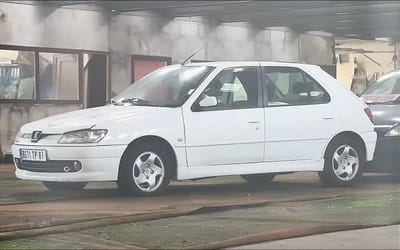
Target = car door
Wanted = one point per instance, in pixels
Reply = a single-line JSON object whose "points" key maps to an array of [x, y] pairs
{"points": [[299, 115], [225, 125]]}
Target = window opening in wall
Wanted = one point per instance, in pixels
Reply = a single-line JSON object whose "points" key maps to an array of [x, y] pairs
{"points": [[17, 74], [58, 76], [33, 74]]}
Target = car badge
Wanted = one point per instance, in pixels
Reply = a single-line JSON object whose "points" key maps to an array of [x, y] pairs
{"points": [[36, 136]]}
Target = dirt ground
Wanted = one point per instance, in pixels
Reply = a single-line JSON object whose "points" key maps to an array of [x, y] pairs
{"points": [[211, 213]]}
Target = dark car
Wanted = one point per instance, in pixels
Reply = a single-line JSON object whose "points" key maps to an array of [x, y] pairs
{"points": [[383, 97]]}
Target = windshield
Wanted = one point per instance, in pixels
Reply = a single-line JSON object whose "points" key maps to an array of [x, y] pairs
{"points": [[166, 87], [387, 85], [385, 91]]}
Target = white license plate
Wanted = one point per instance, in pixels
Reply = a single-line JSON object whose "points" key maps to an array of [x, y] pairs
{"points": [[33, 155]]}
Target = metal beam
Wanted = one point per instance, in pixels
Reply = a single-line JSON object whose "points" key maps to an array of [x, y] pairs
{"points": [[235, 12], [64, 3], [332, 23], [369, 13], [132, 6]]}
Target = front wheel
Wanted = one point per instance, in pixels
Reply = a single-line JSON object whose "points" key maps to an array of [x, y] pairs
{"points": [[344, 163], [64, 186], [145, 170]]}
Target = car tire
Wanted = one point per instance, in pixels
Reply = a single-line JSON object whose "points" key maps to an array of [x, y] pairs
{"points": [[344, 163], [145, 170], [64, 186], [258, 178]]}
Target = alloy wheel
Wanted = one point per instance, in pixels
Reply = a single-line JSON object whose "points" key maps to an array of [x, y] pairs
{"points": [[345, 162], [148, 171]]}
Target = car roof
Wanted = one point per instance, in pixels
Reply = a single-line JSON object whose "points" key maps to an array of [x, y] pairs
{"points": [[389, 75], [248, 63]]}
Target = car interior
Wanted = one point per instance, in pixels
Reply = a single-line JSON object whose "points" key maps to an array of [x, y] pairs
{"points": [[235, 89]]}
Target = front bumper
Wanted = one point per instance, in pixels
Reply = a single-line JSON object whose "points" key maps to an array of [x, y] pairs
{"points": [[98, 163], [387, 155]]}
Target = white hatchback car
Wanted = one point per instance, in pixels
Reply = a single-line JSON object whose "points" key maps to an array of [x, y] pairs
{"points": [[254, 119]]}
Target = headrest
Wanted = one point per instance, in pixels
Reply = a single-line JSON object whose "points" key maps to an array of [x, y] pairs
{"points": [[299, 87]]}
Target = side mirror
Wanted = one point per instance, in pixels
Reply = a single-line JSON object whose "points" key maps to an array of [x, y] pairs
{"points": [[208, 101]]}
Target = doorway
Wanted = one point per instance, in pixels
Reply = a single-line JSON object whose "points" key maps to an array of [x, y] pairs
{"points": [[97, 80], [143, 65]]}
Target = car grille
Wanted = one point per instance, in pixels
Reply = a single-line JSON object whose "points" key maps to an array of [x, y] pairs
{"points": [[49, 166]]}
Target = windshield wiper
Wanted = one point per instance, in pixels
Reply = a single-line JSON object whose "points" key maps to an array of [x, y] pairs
{"points": [[393, 102], [397, 101], [137, 101]]}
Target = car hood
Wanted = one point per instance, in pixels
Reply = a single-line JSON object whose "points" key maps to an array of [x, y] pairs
{"points": [[98, 117]]}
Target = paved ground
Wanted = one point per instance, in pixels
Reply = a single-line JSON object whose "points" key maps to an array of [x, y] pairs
{"points": [[211, 213], [371, 238]]}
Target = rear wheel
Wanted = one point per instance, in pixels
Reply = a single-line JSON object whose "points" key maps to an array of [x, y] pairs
{"points": [[258, 178], [145, 170], [64, 186], [344, 163]]}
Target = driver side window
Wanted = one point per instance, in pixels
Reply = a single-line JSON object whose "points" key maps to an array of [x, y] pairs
{"points": [[232, 88]]}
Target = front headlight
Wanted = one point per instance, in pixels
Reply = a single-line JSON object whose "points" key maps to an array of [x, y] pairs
{"points": [[23, 135], [83, 136], [395, 131]]}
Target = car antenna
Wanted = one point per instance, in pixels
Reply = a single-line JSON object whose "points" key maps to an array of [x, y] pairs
{"points": [[192, 55]]}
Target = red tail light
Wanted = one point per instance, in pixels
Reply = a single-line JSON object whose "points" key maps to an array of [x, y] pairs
{"points": [[369, 114]]}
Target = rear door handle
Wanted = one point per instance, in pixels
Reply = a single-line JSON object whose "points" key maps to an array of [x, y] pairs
{"points": [[253, 121], [328, 118]]}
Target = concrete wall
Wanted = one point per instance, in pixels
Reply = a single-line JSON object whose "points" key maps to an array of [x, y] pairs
{"points": [[39, 26], [316, 49], [180, 37]]}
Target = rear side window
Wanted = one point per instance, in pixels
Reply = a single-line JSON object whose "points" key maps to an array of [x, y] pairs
{"points": [[388, 85], [287, 86]]}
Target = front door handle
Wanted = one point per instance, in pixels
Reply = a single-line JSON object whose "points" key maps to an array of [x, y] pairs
{"points": [[253, 122], [328, 118]]}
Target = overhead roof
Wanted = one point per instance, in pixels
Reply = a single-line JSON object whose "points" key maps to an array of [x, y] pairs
{"points": [[357, 19]]}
